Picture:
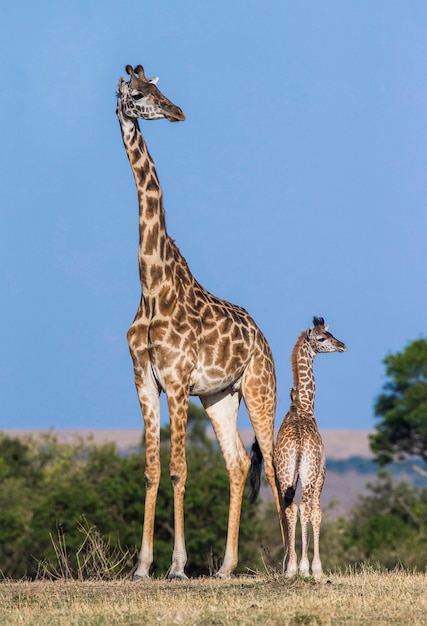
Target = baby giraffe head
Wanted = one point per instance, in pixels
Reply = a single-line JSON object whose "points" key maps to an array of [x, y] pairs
{"points": [[321, 340], [140, 97]]}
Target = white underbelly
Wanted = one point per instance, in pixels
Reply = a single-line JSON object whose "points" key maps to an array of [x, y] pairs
{"points": [[205, 384]]}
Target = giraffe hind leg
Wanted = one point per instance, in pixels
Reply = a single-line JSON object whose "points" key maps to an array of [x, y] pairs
{"points": [[306, 511], [222, 409], [316, 521], [290, 562], [259, 394]]}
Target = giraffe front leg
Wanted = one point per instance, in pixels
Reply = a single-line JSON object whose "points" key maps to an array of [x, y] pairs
{"points": [[150, 405], [145, 558]]}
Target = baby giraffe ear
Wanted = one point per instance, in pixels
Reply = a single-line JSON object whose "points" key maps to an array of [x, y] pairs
{"points": [[154, 80], [308, 333], [326, 327]]}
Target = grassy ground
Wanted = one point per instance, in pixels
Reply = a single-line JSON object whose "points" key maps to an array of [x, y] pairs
{"points": [[365, 597]]}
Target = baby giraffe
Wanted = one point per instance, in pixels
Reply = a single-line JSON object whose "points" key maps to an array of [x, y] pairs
{"points": [[299, 451]]}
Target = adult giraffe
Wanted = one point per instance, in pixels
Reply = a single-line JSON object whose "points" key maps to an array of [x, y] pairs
{"points": [[185, 341]]}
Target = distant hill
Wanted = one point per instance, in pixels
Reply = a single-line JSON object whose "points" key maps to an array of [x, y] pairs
{"points": [[339, 444], [349, 460]]}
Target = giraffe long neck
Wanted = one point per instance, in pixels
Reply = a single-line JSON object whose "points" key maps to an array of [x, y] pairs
{"points": [[152, 226], [302, 367]]}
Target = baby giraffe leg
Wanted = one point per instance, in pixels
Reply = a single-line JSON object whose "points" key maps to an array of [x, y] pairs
{"points": [[305, 510], [316, 520], [290, 565]]}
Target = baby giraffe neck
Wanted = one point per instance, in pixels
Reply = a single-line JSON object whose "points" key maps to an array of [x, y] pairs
{"points": [[302, 366]]}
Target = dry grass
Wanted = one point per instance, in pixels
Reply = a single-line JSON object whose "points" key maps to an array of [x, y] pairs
{"points": [[362, 597]]}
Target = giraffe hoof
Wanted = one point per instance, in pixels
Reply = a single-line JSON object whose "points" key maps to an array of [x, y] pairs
{"points": [[136, 578], [222, 575], [177, 577]]}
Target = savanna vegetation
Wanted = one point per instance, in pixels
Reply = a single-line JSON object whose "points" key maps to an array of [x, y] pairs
{"points": [[355, 597]]}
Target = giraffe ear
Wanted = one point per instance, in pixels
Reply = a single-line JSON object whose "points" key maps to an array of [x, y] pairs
{"points": [[154, 80], [326, 327], [308, 333]]}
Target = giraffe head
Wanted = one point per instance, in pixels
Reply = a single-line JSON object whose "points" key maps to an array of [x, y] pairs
{"points": [[320, 340], [140, 97]]}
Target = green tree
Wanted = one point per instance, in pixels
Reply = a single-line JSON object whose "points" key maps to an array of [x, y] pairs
{"points": [[25, 468], [402, 408]]}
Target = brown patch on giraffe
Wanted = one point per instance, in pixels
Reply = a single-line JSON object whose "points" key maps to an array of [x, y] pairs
{"points": [[211, 339], [142, 150], [152, 207], [174, 338], [167, 301], [224, 351], [208, 351], [162, 246], [180, 315], [245, 334], [158, 330], [208, 320], [182, 276], [151, 240], [224, 325], [141, 171], [156, 274], [152, 185], [236, 334]]}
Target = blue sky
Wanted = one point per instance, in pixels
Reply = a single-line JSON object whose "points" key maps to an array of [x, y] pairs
{"points": [[295, 187]]}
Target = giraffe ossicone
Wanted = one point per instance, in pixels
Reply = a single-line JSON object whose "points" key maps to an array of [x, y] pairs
{"points": [[299, 452], [185, 341]]}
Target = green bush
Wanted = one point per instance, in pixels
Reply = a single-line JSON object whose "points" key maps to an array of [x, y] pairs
{"points": [[51, 491]]}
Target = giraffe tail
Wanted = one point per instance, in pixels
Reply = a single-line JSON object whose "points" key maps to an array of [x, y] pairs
{"points": [[288, 497], [255, 471]]}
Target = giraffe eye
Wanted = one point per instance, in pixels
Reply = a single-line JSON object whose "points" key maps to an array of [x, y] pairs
{"points": [[137, 96], [321, 339]]}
